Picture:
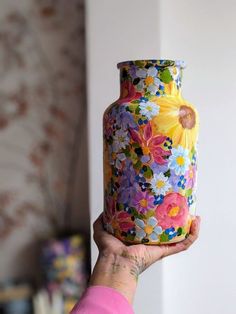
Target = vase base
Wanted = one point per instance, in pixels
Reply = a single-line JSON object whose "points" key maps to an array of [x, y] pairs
{"points": [[176, 240]]}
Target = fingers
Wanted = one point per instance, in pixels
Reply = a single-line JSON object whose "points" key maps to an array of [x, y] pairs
{"points": [[155, 252], [98, 223], [98, 226], [194, 232], [185, 244]]}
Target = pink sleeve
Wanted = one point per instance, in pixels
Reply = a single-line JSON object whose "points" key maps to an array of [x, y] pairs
{"points": [[102, 300]]}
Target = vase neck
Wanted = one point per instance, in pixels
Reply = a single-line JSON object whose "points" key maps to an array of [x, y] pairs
{"points": [[145, 78]]}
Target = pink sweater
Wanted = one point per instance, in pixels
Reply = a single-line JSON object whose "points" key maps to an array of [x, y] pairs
{"points": [[102, 300]]}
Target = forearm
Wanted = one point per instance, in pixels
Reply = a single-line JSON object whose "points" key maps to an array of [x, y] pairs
{"points": [[117, 272]]}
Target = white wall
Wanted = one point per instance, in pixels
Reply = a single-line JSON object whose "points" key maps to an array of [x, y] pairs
{"points": [[116, 31], [202, 33], [201, 280]]}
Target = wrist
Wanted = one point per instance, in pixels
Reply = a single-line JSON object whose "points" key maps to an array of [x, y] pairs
{"points": [[116, 271]]}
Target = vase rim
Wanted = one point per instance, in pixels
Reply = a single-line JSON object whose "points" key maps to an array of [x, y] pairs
{"points": [[156, 62]]}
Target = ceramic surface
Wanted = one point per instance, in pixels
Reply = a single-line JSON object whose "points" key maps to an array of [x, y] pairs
{"points": [[150, 136]]}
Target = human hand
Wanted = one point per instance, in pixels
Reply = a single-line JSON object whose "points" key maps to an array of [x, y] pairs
{"points": [[140, 255], [119, 265]]}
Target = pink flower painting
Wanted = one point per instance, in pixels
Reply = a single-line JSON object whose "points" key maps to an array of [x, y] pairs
{"points": [[173, 212], [152, 145]]}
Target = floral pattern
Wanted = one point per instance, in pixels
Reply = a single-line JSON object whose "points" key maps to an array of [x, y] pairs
{"points": [[160, 184], [143, 201], [148, 229], [149, 109], [173, 212], [179, 160], [148, 79], [150, 137]]}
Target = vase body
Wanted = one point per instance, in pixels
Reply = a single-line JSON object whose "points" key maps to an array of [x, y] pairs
{"points": [[150, 165]]}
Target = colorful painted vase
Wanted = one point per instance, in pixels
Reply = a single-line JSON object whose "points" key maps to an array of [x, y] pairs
{"points": [[150, 136]]}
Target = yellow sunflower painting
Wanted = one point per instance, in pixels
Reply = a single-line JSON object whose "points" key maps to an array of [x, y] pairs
{"points": [[177, 119]]}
